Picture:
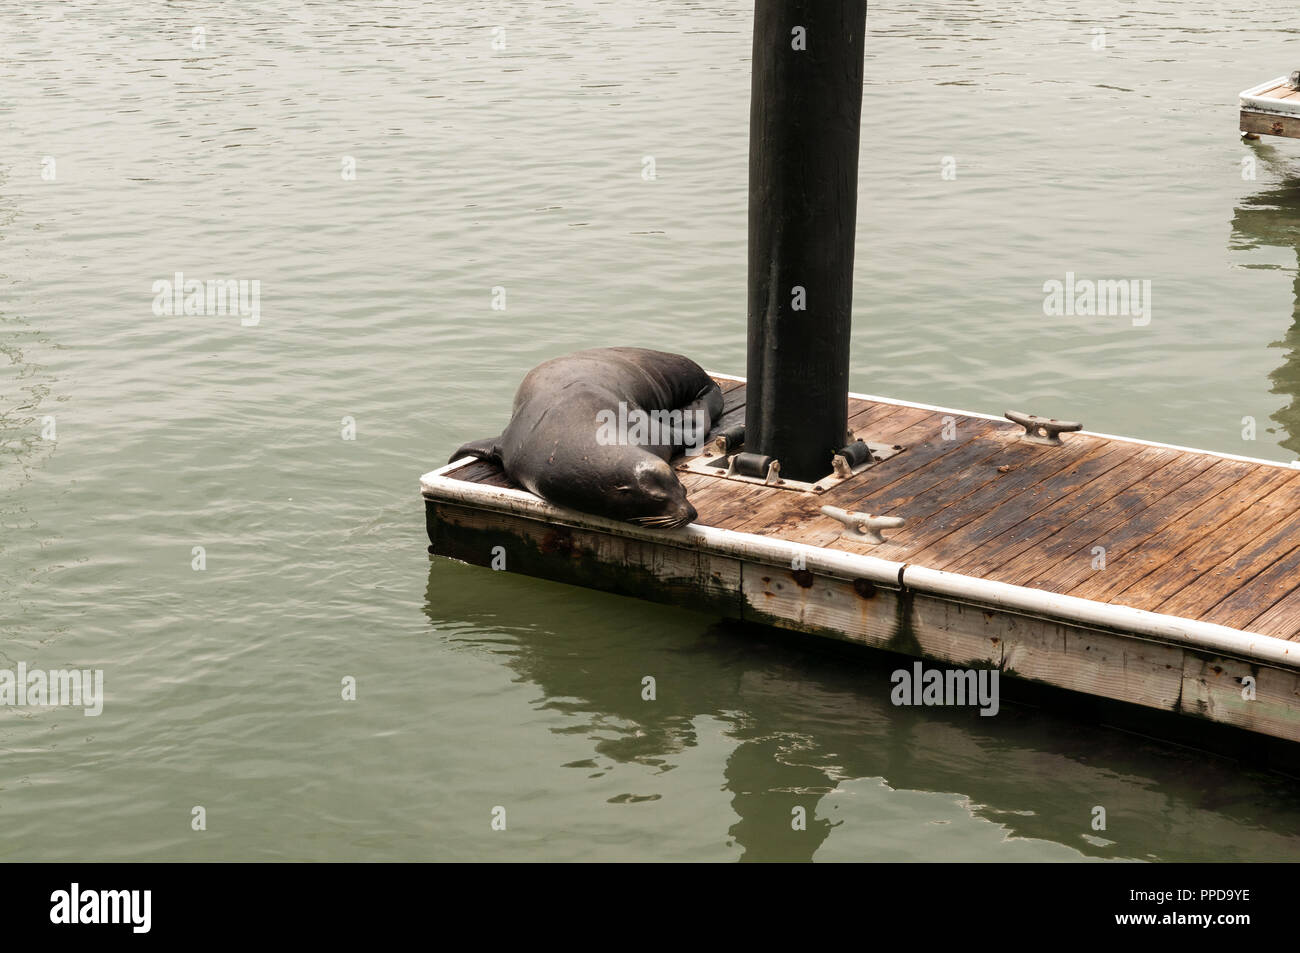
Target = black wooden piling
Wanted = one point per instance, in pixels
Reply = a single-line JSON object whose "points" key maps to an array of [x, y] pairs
{"points": [[805, 112]]}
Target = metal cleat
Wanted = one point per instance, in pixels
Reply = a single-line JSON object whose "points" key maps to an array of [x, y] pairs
{"points": [[1044, 430], [863, 527]]}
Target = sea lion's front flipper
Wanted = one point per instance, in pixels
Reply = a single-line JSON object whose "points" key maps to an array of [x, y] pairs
{"points": [[489, 448]]}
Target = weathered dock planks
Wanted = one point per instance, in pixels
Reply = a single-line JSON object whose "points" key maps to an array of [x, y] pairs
{"points": [[1156, 575]]}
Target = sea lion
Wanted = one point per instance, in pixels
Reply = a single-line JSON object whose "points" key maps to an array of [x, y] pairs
{"points": [[594, 431]]}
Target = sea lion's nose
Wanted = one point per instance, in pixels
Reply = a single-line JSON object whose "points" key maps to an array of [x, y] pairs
{"points": [[691, 514]]}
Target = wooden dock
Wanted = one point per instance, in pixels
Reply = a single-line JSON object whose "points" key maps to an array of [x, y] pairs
{"points": [[1160, 576], [1271, 109]]}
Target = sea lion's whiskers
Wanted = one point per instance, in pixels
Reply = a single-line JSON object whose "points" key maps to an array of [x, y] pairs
{"points": [[664, 522]]}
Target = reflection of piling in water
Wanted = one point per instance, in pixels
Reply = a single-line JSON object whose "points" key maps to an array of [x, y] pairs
{"points": [[1286, 379], [1272, 218]]}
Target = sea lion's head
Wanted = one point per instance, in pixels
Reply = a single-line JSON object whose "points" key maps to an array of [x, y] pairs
{"points": [[623, 483], [620, 483], [645, 490]]}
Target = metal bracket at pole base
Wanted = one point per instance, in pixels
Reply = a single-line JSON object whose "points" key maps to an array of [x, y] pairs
{"points": [[1044, 430], [850, 459], [721, 459], [863, 527], [726, 441], [757, 466]]}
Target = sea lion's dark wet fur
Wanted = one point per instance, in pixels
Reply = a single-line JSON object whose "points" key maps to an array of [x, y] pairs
{"points": [[551, 448]]}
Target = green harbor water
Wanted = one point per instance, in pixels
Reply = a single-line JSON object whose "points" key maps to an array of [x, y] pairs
{"points": [[386, 171]]}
